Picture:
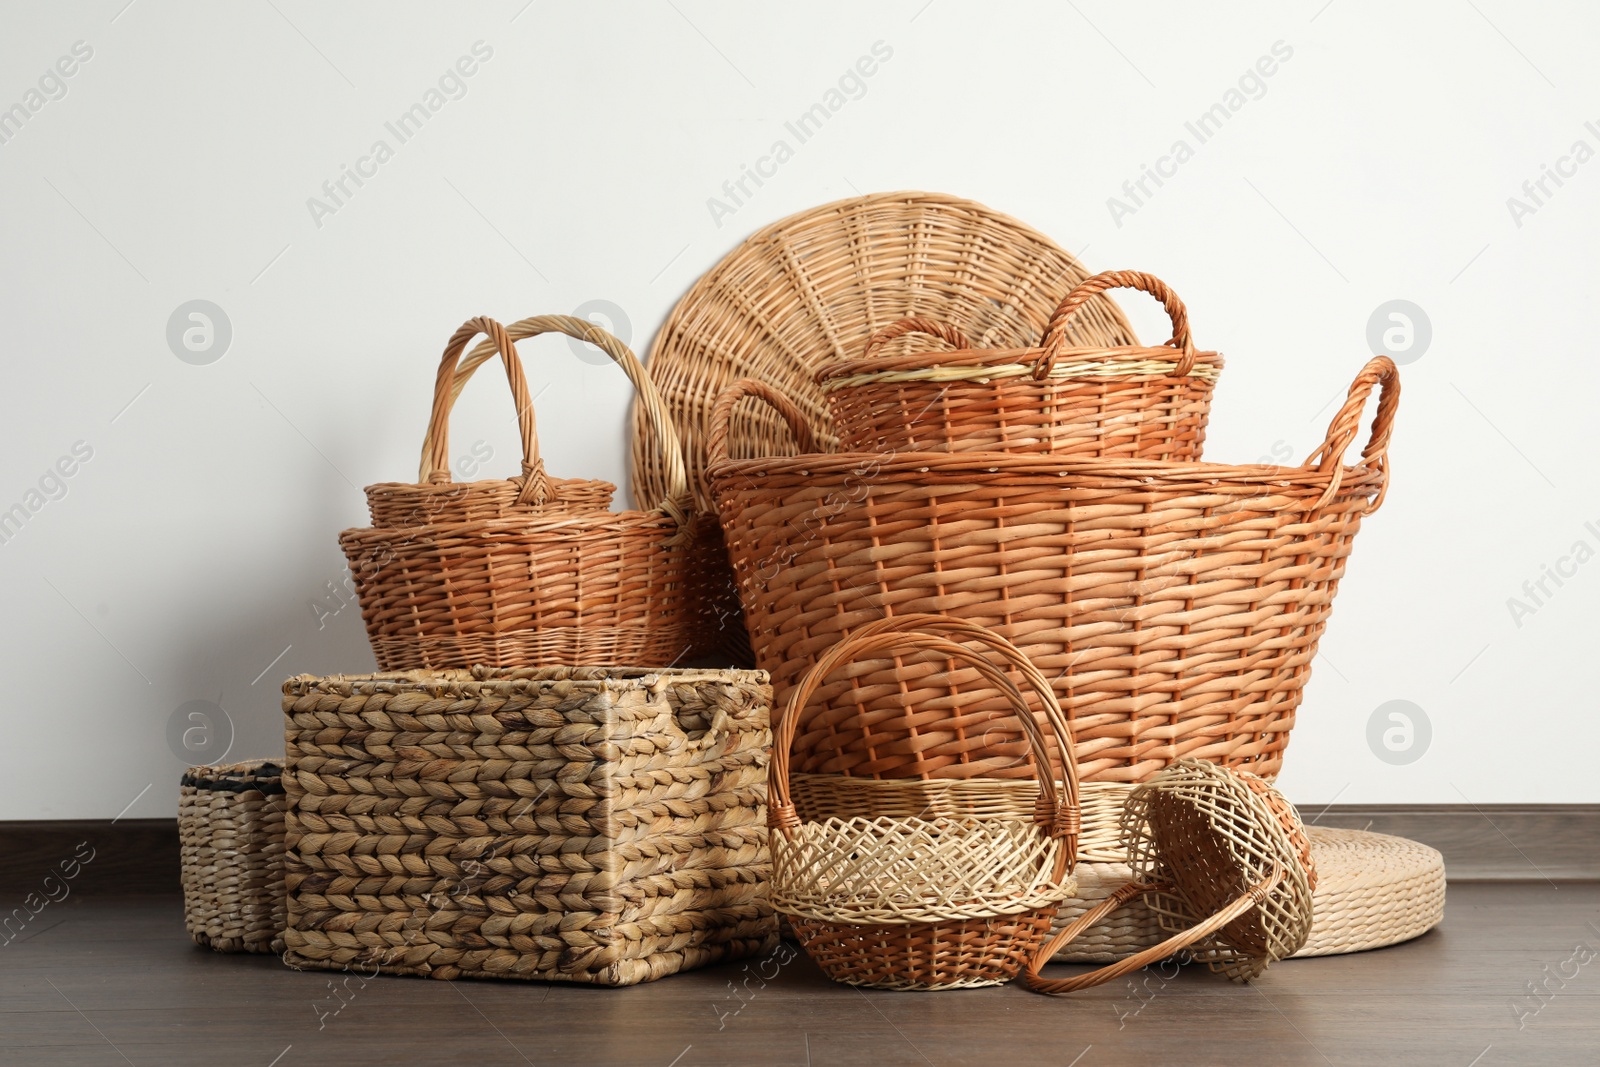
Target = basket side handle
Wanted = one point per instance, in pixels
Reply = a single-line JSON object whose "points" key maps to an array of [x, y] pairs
{"points": [[1055, 333], [950, 335], [1250, 898], [1380, 373], [678, 503], [1056, 816], [728, 399], [436, 443]]}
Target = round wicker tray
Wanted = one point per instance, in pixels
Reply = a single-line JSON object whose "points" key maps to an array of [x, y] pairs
{"points": [[1372, 890]]}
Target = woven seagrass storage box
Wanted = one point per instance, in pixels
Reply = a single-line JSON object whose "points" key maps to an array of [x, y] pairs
{"points": [[1057, 398], [585, 824], [230, 833]]}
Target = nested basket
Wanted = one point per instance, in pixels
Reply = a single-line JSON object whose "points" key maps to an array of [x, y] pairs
{"points": [[1176, 606], [912, 884], [1224, 863], [230, 833], [575, 824], [529, 571], [1059, 399]]}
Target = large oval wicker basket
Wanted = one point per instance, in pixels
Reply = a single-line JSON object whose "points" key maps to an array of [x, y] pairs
{"points": [[1059, 399], [941, 884], [1175, 606], [812, 288], [531, 571]]}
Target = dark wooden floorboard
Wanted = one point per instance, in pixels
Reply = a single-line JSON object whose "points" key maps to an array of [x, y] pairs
{"points": [[105, 980]]}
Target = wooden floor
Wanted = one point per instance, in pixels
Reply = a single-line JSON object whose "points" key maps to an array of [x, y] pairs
{"points": [[114, 981]]}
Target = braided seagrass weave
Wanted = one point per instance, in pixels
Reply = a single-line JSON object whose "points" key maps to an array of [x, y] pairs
{"points": [[529, 571], [1058, 399], [585, 824], [1176, 607], [230, 833], [907, 884], [1224, 864]]}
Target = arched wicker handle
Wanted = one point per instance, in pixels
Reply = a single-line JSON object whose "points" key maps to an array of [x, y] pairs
{"points": [[677, 503], [945, 332], [1057, 813], [436, 445], [1252, 897], [728, 399], [1055, 334], [1380, 372]]}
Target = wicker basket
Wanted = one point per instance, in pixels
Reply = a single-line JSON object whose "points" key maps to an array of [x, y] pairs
{"points": [[604, 826], [230, 833], [910, 884], [524, 572], [812, 288], [1224, 863], [1177, 607], [1062, 400]]}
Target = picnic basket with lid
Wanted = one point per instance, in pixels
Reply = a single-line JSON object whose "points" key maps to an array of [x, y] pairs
{"points": [[925, 884], [530, 571], [1058, 398], [1176, 606], [1223, 861]]}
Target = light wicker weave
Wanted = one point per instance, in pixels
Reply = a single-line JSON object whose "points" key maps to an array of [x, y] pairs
{"points": [[526, 573], [812, 288], [1176, 606], [1224, 865], [1057, 399], [923, 885], [604, 826], [230, 833]]}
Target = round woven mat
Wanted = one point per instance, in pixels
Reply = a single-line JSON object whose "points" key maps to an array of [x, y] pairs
{"points": [[1372, 890], [813, 287]]}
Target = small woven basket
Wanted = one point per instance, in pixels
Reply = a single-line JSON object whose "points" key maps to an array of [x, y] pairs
{"points": [[923, 885], [230, 833], [1176, 606], [1057, 399], [573, 824], [1224, 863], [529, 571]]}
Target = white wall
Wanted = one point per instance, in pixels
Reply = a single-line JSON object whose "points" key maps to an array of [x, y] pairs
{"points": [[187, 552]]}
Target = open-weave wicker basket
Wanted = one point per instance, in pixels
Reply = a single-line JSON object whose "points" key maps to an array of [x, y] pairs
{"points": [[911, 884], [1058, 398], [1176, 606], [812, 288], [1224, 863], [528, 571], [577, 824], [230, 834]]}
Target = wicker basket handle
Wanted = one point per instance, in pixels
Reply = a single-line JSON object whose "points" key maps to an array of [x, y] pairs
{"points": [[1057, 814], [1055, 334], [947, 333], [436, 445], [1380, 373], [722, 416], [1031, 977], [677, 503]]}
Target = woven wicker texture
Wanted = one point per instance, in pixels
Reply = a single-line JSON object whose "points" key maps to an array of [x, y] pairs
{"points": [[947, 893], [230, 834], [589, 825], [1057, 399], [1219, 862], [1372, 890], [1176, 607], [812, 288], [524, 581]]}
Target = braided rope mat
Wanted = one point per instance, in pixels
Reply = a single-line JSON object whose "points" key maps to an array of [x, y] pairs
{"points": [[1372, 890]]}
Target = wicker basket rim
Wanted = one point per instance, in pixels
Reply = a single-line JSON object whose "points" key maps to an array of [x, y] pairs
{"points": [[531, 526], [480, 485], [461, 682], [251, 776], [990, 357]]}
